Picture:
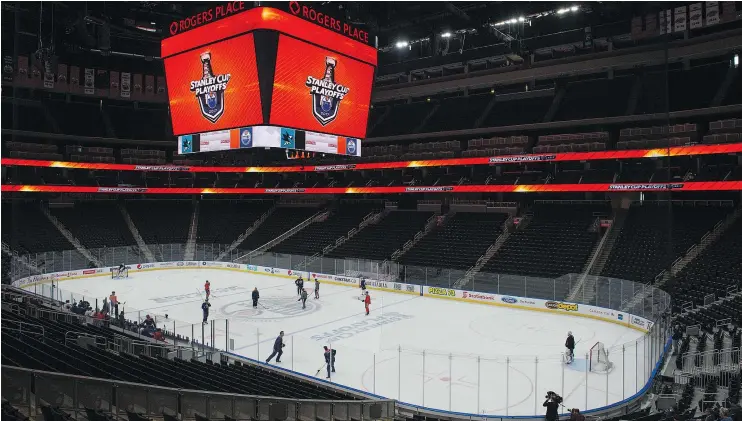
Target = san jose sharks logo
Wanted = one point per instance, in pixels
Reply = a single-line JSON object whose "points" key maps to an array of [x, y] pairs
{"points": [[326, 94], [210, 89]]}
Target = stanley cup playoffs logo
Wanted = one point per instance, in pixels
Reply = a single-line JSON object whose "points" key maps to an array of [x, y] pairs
{"points": [[326, 94], [209, 90]]}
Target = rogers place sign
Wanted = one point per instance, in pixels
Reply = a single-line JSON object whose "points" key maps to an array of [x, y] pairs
{"points": [[207, 16], [309, 13]]}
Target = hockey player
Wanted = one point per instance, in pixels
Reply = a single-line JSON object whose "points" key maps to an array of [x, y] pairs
{"points": [[330, 360], [299, 282], [205, 307], [277, 349], [121, 270], [367, 302], [255, 297], [303, 298], [362, 285], [316, 288], [207, 289], [570, 344]]}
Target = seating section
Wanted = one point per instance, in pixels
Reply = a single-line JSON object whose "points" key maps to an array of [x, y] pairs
{"points": [[557, 241], [96, 224], [724, 131], [578, 142], [513, 145], [458, 243], [716, 269], [30, 150], [458, 113], [579, 101], [90, 154], [280, 221], [380, 240], [640, 252], [316, 236], [166, 222], [403, 119], [53, 353], [657, 137], [30, 229], [222, 221]]}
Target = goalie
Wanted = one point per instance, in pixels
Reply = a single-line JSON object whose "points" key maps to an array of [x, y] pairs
{"points": [[121, 270], [570, 345]]}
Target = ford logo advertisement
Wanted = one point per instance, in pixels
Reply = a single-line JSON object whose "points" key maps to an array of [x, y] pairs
{"points": [[509, 300]]}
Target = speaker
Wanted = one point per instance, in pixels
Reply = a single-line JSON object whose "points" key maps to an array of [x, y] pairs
{"points": [[278, 411], [374, 411]]}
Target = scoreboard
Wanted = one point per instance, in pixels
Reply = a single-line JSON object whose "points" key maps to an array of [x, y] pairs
{"points": [[271, 79]]}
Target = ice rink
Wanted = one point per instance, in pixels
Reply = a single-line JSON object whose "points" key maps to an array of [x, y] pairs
{"points": [[448, 355]]}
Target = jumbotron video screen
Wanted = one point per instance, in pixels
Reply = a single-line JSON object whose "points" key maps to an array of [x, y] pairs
{"points": [[266, 78]]}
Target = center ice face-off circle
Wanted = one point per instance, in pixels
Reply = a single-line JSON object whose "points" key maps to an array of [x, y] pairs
{"points": [[269, 309]]}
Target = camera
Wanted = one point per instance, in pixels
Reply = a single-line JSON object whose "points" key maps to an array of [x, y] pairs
{"points": [[554, 397]]}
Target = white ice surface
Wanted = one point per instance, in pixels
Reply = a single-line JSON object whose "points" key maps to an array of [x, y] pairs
{"points": [[437, 353]]}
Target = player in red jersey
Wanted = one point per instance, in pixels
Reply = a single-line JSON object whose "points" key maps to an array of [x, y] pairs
{"points": [[207, 288], [367, 302]]}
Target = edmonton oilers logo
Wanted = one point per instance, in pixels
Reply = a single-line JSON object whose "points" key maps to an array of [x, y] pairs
{"points": [[351, 147], [326, 93], [246, 138], [209, 90]]}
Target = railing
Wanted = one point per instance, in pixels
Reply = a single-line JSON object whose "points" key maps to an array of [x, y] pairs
{"points": [[23, 327], [71, 336], [711, 361], [72, 394], [318, 217]]}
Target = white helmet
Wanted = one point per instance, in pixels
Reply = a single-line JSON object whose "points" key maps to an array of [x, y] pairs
{"points": [[569, 333]]}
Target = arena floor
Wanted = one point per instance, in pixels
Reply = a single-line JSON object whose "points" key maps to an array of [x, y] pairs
{"points": [[431, 352]]}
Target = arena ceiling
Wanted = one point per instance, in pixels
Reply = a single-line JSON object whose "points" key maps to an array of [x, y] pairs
{"points": [[132, 25]]}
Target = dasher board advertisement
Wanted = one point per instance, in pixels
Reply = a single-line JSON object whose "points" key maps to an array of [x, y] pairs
{"points": [[214, 87], [318, 90]]}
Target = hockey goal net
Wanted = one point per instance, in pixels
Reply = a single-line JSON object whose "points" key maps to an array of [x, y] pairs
{"points": [[599, 361], [116, 274]]}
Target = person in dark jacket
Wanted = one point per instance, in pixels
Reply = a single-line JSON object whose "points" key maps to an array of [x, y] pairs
{"points": [[330, 360], [277, 349], [570, 344], [255, 297], [205, 307], [303, 298], [552, 407], [299, 282], [316, 288]]}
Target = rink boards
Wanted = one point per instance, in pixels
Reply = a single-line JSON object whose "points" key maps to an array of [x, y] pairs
{"points": [[532, 304]]}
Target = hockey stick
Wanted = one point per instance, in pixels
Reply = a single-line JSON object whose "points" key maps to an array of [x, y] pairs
{"points": [[320, 369], [261, 305]]}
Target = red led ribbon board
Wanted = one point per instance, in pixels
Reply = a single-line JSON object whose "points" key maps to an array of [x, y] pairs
{"points": [[219, 77], [495, 160], [534, 188]]}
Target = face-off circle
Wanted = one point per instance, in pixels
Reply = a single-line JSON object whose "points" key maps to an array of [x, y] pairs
{"points": [[268, 309]]}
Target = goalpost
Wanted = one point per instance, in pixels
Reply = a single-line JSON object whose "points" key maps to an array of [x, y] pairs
{"points": [[598, 361]]}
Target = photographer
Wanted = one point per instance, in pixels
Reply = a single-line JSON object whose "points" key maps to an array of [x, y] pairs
{"points": [[552, 406]]}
